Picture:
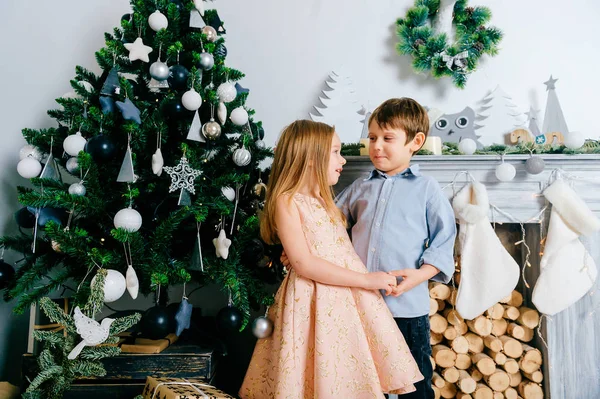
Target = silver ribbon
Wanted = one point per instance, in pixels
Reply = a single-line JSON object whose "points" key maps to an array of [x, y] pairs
{"points": [[459, 59]]}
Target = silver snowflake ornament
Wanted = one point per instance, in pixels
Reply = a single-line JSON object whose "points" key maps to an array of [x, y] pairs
{"points": [[182, 176]]}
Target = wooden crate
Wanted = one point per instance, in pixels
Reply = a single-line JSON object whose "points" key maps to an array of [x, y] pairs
{"points": [[126, 374]]}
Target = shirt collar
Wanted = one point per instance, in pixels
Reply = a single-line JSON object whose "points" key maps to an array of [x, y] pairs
{"points": [[413, 170]]}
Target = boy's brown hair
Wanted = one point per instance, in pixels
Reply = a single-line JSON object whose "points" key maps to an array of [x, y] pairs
{"points": [[402, 113]]}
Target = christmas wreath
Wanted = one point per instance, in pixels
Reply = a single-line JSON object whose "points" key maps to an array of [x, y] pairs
{"points": [[427, 29]]}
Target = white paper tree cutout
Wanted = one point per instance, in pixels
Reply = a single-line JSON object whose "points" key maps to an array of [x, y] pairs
{"points": [[497, 116], [340, 108], [533, 126], [554, 120]]}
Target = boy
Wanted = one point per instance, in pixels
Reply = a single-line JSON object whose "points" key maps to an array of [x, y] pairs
{"points": [[400, 219]]}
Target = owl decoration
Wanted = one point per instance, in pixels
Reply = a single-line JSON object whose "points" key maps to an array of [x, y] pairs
{"points": [[452, 128]]}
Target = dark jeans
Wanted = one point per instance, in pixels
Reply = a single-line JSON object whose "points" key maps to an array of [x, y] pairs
{"points": [[416, 334]]}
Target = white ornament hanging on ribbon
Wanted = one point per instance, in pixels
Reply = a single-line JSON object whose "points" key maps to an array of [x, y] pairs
{"points": [[114, 285], [182, 176], [128, 219], [195, 132], [157, 162], [158, 21], [222, 112], [222, 244], [74, 143], [92, 333], [239, 116], [133, 284]]}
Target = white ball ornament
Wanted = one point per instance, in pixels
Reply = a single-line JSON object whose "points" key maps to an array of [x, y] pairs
{"points": [[73, 144], [228, 193], [227, 92], [128, 219], [191, 100], [574, 140], [158, 21], [114, 285], [505, 172], [239, 116], [467, 146], [29, 168], [30, 151], [77, 189]]}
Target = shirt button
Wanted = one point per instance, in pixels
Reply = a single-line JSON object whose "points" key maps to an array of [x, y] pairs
{"points": [[372, 249], [377, 224], [383, 200]]}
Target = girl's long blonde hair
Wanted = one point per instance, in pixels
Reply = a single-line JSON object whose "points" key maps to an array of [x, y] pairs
{"points": [[301, 156]]}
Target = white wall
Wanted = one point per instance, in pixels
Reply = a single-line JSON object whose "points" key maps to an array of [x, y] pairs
{"points": [[287, 49]]}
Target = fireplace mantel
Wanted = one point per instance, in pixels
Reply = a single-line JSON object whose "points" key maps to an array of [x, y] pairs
{"points": [[520, 197]]}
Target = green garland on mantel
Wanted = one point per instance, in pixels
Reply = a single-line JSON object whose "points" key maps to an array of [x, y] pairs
{"points": [[590, 147], [431, 51]]}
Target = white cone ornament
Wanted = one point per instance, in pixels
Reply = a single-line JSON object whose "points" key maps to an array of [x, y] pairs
{"points": [[73, 144], [114, 285], [128, 219], [488, 272], [191, 100], [199, 5], [132, 282], [567, 269], [157, 162], [239, 116], [29, 168]]}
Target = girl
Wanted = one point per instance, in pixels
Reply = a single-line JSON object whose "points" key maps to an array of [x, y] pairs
{"points": [[333, 336]]}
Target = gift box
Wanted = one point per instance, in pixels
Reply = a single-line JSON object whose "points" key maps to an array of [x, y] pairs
{"points": [[181, 388], [145, 345]]}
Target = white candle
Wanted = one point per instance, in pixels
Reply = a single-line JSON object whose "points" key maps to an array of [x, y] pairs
{"points": [[433, 144]]}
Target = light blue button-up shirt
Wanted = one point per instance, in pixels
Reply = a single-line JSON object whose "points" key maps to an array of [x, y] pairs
{"points": [[401, 222]]}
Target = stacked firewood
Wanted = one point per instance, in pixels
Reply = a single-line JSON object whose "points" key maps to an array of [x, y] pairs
{"points": [[488, 357]]}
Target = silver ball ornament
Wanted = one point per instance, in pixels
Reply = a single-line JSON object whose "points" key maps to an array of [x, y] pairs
{"points": [[262, 327], [159, 71], [77, 189], [260, 144], [241, 156], [505, 172], [210, 32], [535, 165], [30, 151], [207, 61], [73, 165], [227, 92], [211, 130]]}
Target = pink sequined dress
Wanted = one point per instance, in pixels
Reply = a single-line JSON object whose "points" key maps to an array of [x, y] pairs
{"points": [[329, 341]]}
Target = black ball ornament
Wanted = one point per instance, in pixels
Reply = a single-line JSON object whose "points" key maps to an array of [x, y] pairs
{"points": [[229, 319], [178, 77], [157, 322], [55, 215], [6, 274], [101, 148], [254, 251], [174, 109], [25, 219]]}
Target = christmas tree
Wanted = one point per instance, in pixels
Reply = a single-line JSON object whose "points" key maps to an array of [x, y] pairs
{"points": [[497, 116], [152, 172], [340, 107]]}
